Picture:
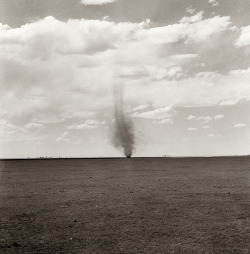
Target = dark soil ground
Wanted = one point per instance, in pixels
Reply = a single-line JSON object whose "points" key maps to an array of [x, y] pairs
{"points": [[137, 205]]}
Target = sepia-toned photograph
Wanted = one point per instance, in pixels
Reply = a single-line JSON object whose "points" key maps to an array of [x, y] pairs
{"points": [[124, 126]]}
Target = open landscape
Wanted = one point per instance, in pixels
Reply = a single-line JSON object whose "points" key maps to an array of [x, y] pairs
{"points": [[137, 205], [124, 126]]}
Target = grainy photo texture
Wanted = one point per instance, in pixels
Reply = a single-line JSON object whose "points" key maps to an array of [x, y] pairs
{"points": [[124, 126]]}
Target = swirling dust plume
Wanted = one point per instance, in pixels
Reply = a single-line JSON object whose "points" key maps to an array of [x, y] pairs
{"points": [[123, 129]]}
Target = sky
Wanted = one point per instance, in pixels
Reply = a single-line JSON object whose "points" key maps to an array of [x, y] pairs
{"points": [[184, 66]]}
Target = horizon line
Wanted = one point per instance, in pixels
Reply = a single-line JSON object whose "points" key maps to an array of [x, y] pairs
{"points": [[122, 157]]}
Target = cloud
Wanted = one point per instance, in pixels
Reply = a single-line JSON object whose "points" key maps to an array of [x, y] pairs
{"points": [[206, 75], [76, 126], [40, 39], [244, 38], [214, 3], [52, 70], [89, 124], [141, 107], [163, 121], [7, 130], [195, 18], [213, 135], [197, 31], [33, 125], [94, 122], [240, 72], [97, 2], [172, 72], [63, 138], [191, 117], [190, 10], [217, 117], [159, 113], [133, 72], [206, 119], [239, 125]]}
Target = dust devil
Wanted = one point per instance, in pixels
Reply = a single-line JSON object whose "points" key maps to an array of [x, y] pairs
{"points": [[123, 131]]}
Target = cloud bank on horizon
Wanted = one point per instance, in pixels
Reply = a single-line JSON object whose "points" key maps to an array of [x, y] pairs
{"points": [[56, 75]]}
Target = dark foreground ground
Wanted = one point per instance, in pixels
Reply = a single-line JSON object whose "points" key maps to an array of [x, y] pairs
{"points": [[138, 205]]}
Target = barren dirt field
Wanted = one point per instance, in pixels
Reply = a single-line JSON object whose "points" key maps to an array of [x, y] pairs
{"points": [[137, 205]]}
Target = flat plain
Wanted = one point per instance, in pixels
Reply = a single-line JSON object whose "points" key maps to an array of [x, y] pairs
{"points": [[137, 205]]}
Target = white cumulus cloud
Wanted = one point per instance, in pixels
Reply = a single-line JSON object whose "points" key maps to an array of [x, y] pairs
{"points": [[191, 117], [217, 117], [244, 38], [214, 3], [52, 71], [195, 18], [172, 72], [239, 125], [197, 31], [190, 10], [159, 113]]}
